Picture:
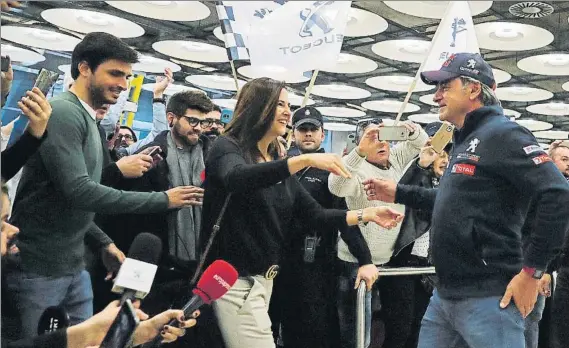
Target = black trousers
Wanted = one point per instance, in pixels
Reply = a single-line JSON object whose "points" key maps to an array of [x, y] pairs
{"points": [[303, 304], [560, 310]]}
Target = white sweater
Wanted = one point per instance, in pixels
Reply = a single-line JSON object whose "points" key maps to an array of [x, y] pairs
{"points": [[379, 240]]}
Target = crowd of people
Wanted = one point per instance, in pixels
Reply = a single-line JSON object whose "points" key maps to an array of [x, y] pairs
{"points": [[303, 229]]}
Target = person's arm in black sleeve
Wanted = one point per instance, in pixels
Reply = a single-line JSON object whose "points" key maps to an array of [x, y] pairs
{"points": [[95, 238], [111, 175], [357, 245], [519, 160], [226, 163], [415, 175], [415, 197], [307, 209], [354, 239], [16, 156]]}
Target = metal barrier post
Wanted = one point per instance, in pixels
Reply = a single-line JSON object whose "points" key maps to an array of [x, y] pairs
{"points": [[360, 303], [360, 315]]}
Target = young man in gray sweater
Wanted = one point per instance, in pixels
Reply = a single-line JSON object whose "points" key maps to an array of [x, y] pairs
{"points": [[59, 192]]}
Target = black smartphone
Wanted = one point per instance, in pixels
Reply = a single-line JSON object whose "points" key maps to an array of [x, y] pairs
{"points": [[157, 156], [5, 63], [121, 333]]}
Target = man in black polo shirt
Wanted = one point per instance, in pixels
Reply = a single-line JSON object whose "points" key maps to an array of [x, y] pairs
{"points": [[488, 283], [306, 288]]}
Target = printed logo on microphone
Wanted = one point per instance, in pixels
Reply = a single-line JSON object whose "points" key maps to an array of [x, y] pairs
{"points": [[221, 281]]}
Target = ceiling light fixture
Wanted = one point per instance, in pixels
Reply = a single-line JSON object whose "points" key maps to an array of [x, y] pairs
{"points": [[520, 90], [100, 20], [558, 59], [195, 46], [160, 3], [344, 58], [338, 88], [147, 59], [508, 32], [400, 80], [414, 46], [531, 9], [219, 78], [557, 106], [45, 34]]}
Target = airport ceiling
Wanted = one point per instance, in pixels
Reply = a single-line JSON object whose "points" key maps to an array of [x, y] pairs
{"points": [[528, 42]]}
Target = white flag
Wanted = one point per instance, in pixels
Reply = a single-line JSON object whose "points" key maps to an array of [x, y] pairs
{"points": [[238, 19], [300, 35], [455, 34]]}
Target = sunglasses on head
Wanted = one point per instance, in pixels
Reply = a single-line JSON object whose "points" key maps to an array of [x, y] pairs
{"points": [[363, 124]]}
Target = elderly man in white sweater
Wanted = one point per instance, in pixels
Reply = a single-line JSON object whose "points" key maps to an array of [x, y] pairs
{"points": [[373, 158]]}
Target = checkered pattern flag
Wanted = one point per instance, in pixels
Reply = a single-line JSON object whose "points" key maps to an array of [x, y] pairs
{"points": [[234, 40]]}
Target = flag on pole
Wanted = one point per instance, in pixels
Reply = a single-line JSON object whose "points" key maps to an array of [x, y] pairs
{"points": [[300, 35], [455, 34], [237, 19]]}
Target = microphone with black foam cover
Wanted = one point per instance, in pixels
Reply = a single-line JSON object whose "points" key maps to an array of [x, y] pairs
{"points": [[215, 282], [52, 319], [137, 272]]}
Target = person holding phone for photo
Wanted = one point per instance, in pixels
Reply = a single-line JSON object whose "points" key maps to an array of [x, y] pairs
{"points": [[265, 197]]}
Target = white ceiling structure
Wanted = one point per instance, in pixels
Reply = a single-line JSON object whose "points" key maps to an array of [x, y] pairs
{"points": [[526, 43]]}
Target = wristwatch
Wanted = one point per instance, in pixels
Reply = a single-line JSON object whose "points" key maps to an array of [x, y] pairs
{"points": [[361, 222], [534, 272], [159, 100]]}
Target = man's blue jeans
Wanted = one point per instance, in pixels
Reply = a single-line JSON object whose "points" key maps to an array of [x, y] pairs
{"points": [[32, 294], [471, 323], [532, 323]]}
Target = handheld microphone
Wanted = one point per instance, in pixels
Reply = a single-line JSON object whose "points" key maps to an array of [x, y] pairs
{"points": [[137, 272], [53, 319], [215, 282]]}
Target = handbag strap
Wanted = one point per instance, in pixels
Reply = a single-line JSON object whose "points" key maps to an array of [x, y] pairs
{"points": [[214, 231]]}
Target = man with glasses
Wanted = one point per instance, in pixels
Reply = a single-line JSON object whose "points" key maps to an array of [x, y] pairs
{"points": [[216, 127], [375, 158], [178, 156]]}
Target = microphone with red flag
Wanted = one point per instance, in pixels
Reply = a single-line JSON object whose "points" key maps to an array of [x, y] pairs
{"points": [[215, 282]]}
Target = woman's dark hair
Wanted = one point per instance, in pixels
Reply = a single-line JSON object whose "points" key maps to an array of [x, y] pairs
{"points": [[96, 48], [254, 115]]}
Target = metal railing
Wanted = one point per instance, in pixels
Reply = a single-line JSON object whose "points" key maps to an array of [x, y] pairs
{"points": [[360, 303]]}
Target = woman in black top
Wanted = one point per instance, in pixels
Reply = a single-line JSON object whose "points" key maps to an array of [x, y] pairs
{"points": [[264, 199]]}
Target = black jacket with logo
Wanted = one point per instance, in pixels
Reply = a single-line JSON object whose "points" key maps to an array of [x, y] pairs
{"points": [[496, 169]]}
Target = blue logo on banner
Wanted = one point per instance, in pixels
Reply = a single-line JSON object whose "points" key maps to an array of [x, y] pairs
{"points": [[457, 27], [312, 17]]}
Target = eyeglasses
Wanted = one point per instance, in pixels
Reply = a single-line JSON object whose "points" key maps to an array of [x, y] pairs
{"points": [[215, 121], [125, 136], [363, 124], [193, 121]]}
